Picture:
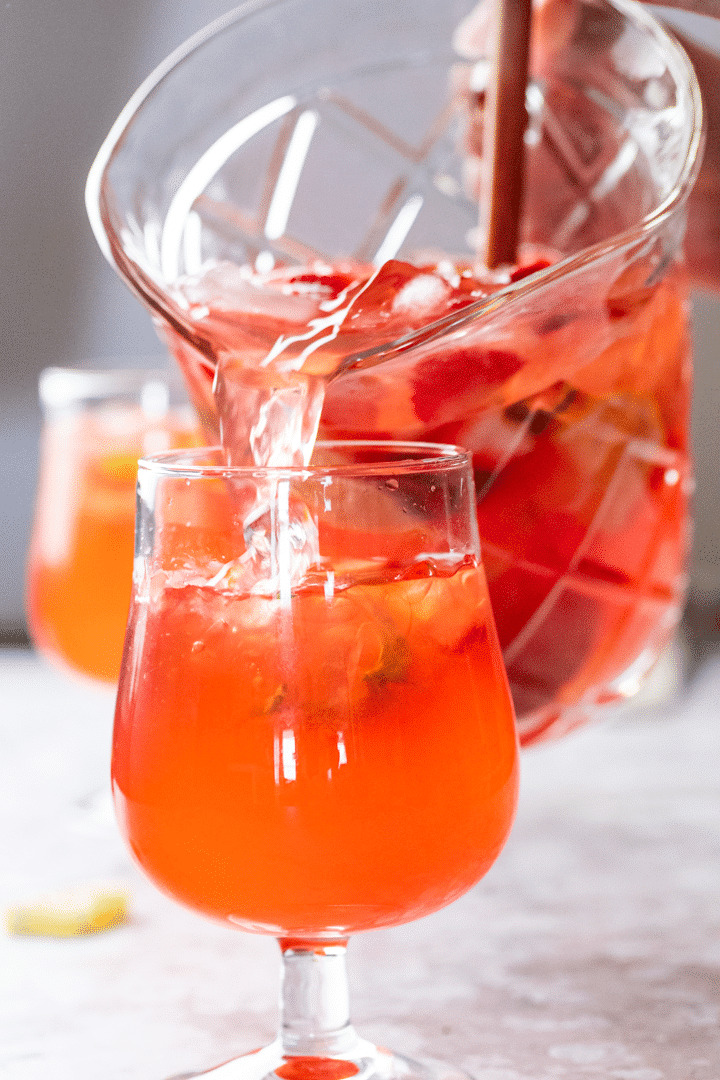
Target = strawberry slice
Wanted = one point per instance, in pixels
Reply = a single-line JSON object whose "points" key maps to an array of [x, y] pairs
{"points": [[330, 283], [531, 268], [443, 378]]}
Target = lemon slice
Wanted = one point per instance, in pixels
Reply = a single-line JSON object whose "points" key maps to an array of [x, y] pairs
{"points": [[119, 468], [86, 909]]}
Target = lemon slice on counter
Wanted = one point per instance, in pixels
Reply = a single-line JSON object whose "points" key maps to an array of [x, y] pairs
{"points": [[85, 909]]}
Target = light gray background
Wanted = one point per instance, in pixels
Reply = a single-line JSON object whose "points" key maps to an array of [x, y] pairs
{"points": [[66, 69]]}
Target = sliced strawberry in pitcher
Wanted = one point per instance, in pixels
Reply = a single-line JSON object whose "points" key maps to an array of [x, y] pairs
{"points": [[449, 376], [531, 268]]}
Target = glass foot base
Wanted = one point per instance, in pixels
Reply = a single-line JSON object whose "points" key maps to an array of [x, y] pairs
{"points": [[372, 1063]]}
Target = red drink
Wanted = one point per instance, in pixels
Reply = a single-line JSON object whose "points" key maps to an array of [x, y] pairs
{"points": [[576, 416], [341, 763]]}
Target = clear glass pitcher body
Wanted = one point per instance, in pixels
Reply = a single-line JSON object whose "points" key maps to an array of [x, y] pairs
{"points": [[302, 130]]}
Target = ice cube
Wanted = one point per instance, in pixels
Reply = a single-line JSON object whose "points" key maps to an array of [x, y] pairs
{"points": [[266, 420], [281, 539], [237, 290], [422, 297]]}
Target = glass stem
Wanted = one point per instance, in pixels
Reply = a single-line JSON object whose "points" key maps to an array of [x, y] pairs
{"points": [[314, 1002]]}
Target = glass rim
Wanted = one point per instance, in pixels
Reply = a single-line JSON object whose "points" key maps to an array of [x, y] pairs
{"points": [[430, 457], [60, 387], [98, 204]]}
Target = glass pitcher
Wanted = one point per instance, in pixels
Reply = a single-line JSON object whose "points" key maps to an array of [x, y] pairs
{"points": [[296, 133]]}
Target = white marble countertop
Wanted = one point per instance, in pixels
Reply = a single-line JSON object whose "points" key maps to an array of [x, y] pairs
{"points": [[591, 950]]}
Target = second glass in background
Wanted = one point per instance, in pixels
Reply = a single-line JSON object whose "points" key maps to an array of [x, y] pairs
{"points": [[97, 423]]}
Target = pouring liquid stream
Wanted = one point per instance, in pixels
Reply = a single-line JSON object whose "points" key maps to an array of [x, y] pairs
{"points": [[279, 339]]}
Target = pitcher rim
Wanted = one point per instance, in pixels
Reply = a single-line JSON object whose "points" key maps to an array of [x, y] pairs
{"points": [[614, 245]]}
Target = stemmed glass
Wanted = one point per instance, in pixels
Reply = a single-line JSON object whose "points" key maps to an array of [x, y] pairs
{"points": [[314, 733]]}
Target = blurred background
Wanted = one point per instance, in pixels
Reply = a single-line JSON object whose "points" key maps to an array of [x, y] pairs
{"points": [[67, 69]]}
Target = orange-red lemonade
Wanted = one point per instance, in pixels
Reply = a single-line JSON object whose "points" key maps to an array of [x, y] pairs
{"points": [[344, 761], [81, 553]]}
